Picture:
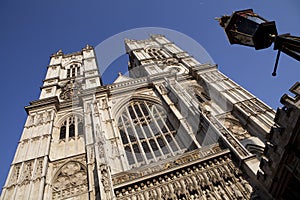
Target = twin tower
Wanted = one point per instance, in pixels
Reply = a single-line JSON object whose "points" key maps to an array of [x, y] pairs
{"points": [[173, 129]]}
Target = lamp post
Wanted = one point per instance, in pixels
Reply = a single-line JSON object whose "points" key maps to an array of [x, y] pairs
{"points": [[249, 29]]}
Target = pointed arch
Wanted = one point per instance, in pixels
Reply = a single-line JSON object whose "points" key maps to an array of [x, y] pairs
{"points": [[70, 125], [147, 134], [68, 64], [124, 102], [72, 69]]}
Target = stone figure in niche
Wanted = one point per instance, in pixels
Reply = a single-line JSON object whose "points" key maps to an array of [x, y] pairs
{"points": [[235, 127], [101, 149], [105, 177], [88, 108], [96, 109], [247, 186], [104, 104], [48, 116], [237, 192], [70, 90]]}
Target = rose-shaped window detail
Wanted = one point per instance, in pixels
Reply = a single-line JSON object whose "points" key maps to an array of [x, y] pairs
{"points": [[70, 180]]}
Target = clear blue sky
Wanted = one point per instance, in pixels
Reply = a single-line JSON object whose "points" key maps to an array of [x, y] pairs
{"points": [[32, 30]]}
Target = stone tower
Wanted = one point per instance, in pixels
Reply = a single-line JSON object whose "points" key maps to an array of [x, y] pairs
{"points": [[50, 161], [280, 166], [173, 129]]}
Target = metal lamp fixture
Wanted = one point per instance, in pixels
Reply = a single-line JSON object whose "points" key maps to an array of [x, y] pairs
{"points": [[249, 29]]}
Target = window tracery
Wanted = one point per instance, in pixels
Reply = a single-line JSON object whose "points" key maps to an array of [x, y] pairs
{"points": [[147, 133], [73, 71], [71, 180], [71, 127]]}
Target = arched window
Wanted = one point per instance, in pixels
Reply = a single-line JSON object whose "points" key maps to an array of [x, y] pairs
{"points": [[73, 71], [71, 127], [148, 135], [63, 130]]}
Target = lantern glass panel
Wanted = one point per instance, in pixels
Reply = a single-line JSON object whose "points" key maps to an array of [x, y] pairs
{"points": [[255, 19], [240, 38], [246, 27]]}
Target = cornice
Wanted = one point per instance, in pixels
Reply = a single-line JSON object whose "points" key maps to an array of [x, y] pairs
{"points": [[41, 103], [92, 91], [184, 161], [50, 79], [54, 65]]}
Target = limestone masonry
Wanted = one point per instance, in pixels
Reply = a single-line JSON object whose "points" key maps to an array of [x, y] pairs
{"points": [[173, 128]]}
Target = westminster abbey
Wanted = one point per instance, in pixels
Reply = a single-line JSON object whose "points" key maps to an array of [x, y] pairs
{"points": [[172, 129]]}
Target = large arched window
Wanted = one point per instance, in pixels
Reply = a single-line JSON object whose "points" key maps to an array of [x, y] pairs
{"points": [[147, 133], [71, 127]]}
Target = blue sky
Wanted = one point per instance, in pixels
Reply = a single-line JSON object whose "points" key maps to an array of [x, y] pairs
{"points": [[32, 30]]}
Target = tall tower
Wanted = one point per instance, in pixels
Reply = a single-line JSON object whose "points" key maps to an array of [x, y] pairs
{"points": [[52, 148], [173, 129]]}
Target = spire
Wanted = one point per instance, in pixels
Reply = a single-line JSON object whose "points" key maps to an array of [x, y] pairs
{"points": [[87, 47], [58, 53]]}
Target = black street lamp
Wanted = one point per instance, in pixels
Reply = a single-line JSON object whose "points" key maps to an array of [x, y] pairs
{"points": [[249, 29]]}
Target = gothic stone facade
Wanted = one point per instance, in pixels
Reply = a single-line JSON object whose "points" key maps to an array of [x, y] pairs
{"points": [[280, 166], [173, 129]]}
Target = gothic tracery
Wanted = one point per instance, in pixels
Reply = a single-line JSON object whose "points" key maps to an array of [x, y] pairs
{"points": [[70, 180], [215, 179], [147, 133]]}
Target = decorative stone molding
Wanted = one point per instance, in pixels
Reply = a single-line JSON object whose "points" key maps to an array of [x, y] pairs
{"points": [[230, 139], [15, 174], [69, 91], [70, 180], [27, 170], [216, 178], [166, 164], [38, 119], [38, 169], [104, 170], [234, 126]]}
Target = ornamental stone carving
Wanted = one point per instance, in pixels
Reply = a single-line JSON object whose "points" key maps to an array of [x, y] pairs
{"points": [[216, 178], [105, 177], [15, 174], [26, 174], [39, 168], [70, 90], [70, 180], [234, 126]]}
